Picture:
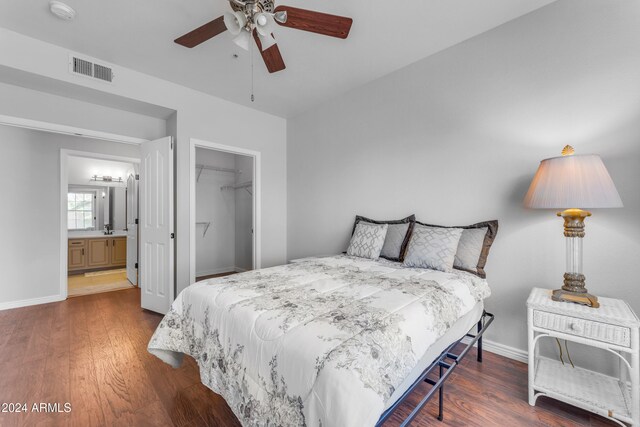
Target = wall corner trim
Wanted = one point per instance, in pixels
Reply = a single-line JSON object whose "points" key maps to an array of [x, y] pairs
{"points": [[67, 130]]}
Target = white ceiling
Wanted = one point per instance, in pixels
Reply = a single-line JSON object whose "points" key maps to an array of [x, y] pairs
{"points": [[385, 36]]}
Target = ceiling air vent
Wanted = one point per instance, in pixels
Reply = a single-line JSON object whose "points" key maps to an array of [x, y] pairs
{"points": [[90, 68], [83, 67], [103, 73]]}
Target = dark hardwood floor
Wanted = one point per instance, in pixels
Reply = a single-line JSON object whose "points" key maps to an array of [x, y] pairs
{"points": [[90, 351]]}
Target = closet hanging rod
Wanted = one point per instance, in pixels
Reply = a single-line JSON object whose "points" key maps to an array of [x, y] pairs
{"points": [[235, 187], [202, 167], [218, 169]]}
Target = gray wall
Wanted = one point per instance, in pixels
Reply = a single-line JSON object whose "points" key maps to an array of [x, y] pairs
{"points": [[30, 213], [456, 138], [198, 116], [36, 105]]}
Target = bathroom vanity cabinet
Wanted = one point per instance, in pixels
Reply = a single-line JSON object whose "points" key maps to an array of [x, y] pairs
{"points": [[95, 253]]}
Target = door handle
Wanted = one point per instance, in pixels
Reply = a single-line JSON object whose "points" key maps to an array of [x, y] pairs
{"points": [[106, 242], [82, 251]]}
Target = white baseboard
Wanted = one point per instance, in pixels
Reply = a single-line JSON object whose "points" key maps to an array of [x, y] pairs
{"points": [[502, 350], [27, 302], [220, 270], [215, 271]]}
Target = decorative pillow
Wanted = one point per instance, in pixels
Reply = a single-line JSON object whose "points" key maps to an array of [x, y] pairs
{"points": [[473, 248], [470, 248], [367, 240], [398, 233], [432, 247]]}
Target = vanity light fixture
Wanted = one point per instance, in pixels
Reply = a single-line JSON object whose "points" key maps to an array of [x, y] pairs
{"points": [[106, 178]]}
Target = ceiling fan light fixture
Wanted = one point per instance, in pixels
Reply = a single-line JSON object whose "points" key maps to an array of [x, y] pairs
{"points": [[235, 22], [264, 23], [256, 19], [266, 41], [280, 16], [243, 39]]}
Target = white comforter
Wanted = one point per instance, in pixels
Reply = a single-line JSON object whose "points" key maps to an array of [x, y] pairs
{"points": [[320, 342]]}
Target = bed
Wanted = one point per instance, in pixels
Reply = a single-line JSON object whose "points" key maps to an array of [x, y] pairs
{"points": [[330, 341]]}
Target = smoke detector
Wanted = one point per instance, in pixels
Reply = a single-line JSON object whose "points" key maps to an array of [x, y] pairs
{"points": [[62, 10]]}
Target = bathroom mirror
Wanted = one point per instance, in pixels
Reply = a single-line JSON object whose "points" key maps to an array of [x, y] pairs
{"points": [[94, 207]]}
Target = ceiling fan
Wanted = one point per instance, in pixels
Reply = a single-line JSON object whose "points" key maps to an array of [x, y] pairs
{"points": [[258, 18]]}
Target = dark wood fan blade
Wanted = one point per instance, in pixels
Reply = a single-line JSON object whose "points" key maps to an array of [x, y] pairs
{"points": [[316, 22], [272, 58], [203, 33]]}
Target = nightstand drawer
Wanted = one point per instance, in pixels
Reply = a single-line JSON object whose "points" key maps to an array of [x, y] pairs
{"points": [[612, 334]]}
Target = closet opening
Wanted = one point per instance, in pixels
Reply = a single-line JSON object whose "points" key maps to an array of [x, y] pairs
{"points": [[224, 213]]}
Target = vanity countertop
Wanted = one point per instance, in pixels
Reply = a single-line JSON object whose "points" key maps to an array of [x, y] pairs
{"points": [[95, 234]]}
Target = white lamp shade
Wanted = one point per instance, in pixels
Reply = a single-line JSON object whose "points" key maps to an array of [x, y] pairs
{"points": [[266, 41], [243, 39], [575, 181], [264, 23], [235, 22]]}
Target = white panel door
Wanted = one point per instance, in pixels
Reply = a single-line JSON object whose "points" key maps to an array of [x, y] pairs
{"points": [[156, 264], [132, 229]]}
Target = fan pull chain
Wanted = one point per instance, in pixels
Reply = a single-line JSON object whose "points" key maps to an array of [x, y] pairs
{"points": [[251, 54]]}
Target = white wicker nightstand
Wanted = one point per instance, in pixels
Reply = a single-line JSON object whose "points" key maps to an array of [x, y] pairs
{"points": [[613, 327]]}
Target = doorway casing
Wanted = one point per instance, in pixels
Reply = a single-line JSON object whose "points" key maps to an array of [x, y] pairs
{"points": [[257, 207]]}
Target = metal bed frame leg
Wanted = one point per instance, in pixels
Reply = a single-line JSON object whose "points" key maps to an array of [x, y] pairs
{"points": [[480, 342], [440, 399], [445, 369]]}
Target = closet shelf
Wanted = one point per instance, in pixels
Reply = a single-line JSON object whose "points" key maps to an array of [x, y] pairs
{"points": [[246, 185], [201, 167], [206, 227]]}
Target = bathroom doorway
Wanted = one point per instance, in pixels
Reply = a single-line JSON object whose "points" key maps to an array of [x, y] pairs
{"points": [[101, 210]]}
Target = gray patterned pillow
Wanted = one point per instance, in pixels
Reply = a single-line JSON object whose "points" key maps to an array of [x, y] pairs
{"points": [[390, 250], [432, 247], [396, 233], [471, 245], [367, 240], [470, 248]]}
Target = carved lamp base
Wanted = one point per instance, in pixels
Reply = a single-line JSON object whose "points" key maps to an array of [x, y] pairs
{"points": [[573, 289], [576, 297]]}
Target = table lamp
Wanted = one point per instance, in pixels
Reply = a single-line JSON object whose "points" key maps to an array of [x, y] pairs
{"points": [[573, 182]]}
